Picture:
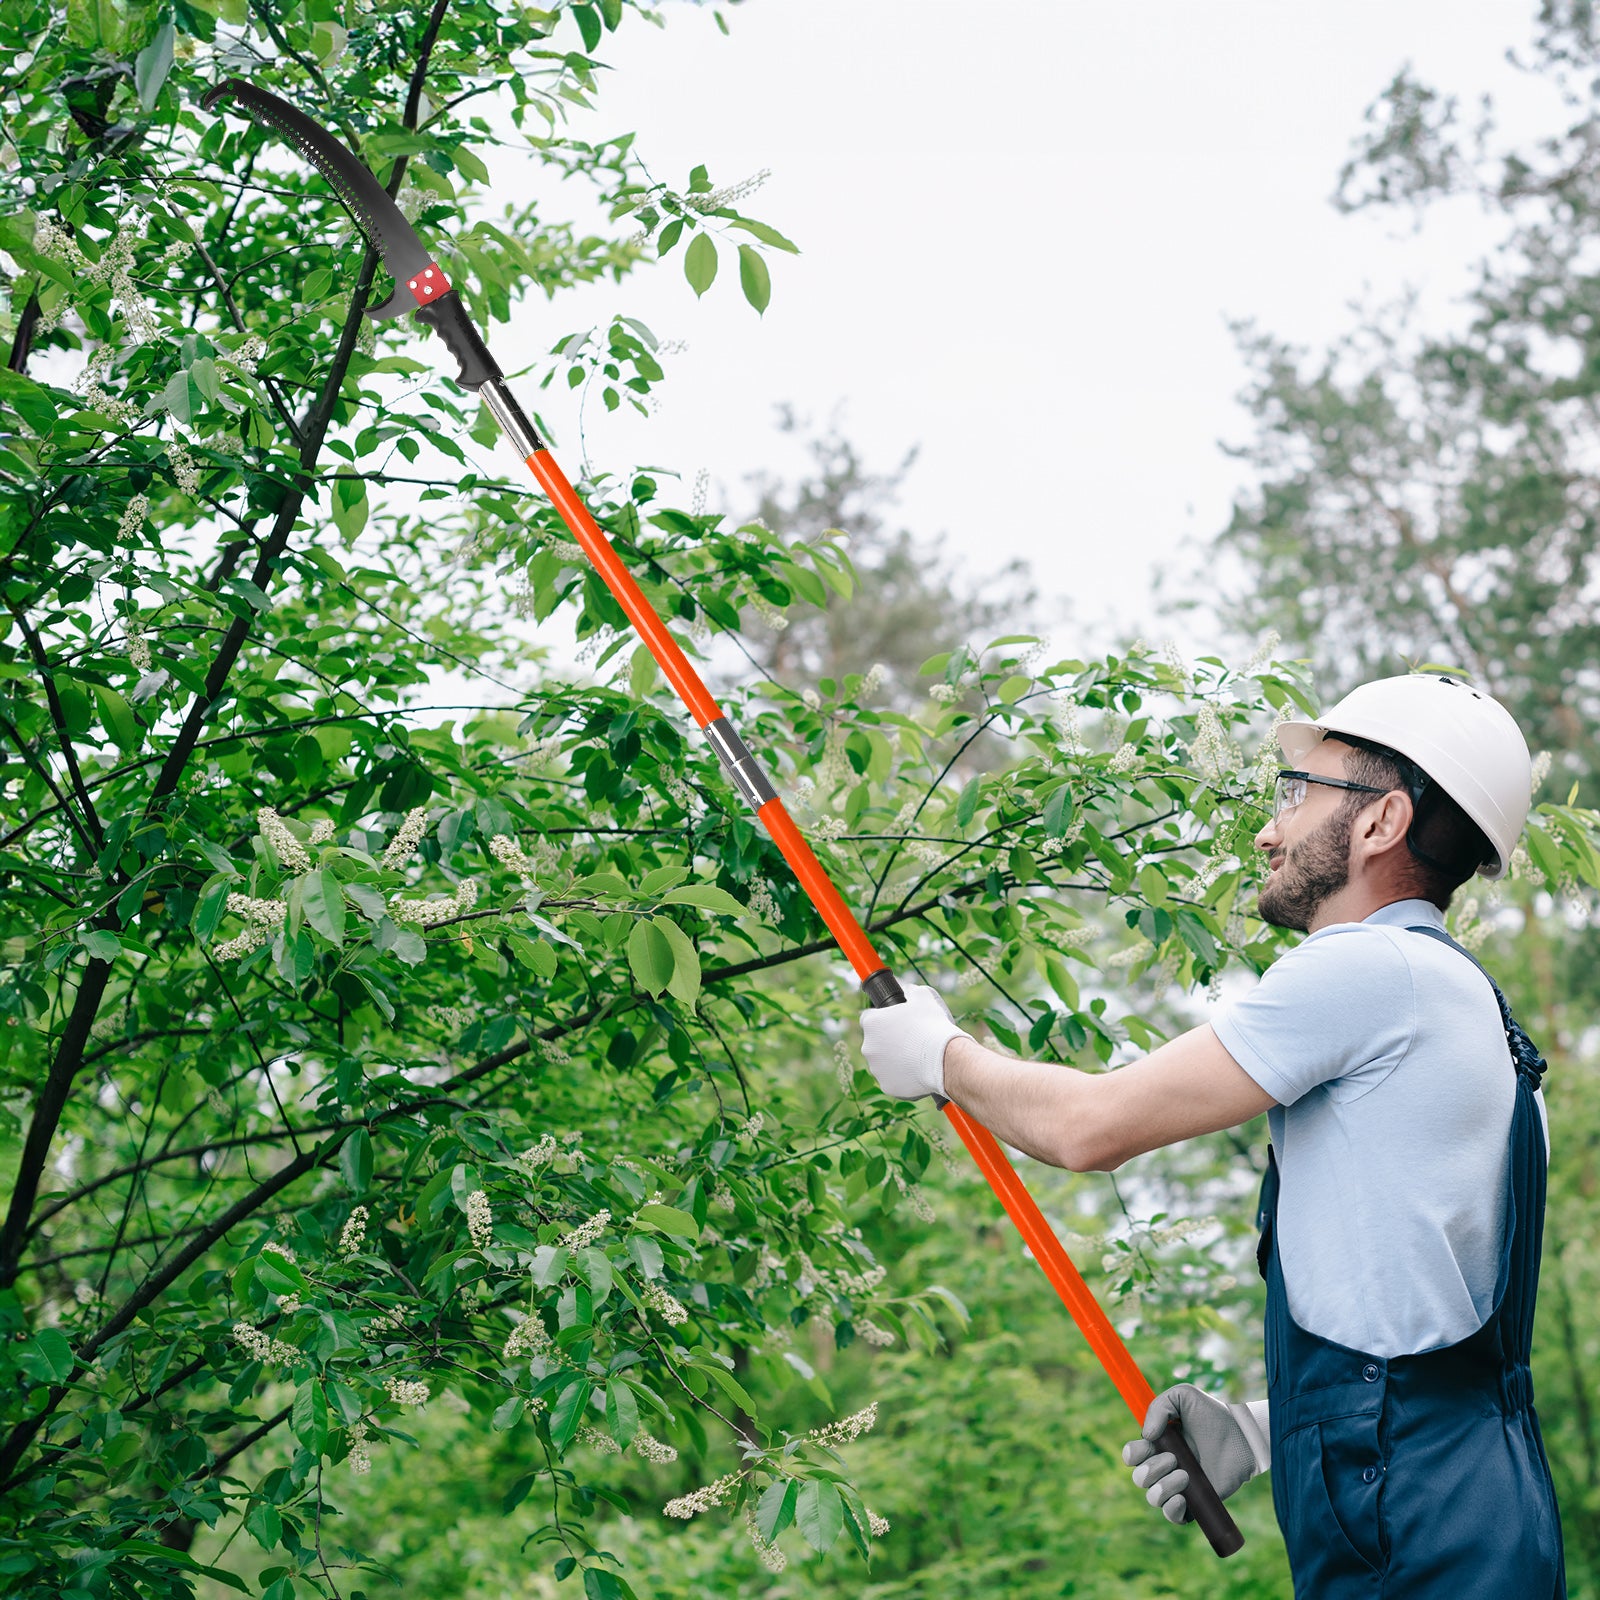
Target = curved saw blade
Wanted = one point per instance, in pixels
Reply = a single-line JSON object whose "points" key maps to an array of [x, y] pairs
{"points": [[367, 201]]}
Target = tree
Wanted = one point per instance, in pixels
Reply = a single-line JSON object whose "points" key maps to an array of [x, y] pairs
{"points": [[356, 1060], [907, 601]]}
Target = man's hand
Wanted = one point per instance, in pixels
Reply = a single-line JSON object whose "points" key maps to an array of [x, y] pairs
{"points": [[1228, 1441], [904, 1045]]}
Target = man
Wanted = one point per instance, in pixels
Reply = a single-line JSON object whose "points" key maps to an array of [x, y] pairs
{"points": [[1404, 1199]]}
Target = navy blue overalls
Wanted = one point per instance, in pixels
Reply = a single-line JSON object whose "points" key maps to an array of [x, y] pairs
{"points": [[1421, 1477]]}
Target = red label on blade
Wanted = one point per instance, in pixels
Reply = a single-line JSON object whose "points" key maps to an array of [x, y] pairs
{"points": [[429, 284]]}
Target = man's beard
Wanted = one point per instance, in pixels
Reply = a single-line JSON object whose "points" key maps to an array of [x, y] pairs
{"points": [[1317, 867]]}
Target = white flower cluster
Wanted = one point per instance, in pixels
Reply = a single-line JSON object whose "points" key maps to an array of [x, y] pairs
{"points": [[1263, 652], [134, 641], [752, 1126], [761, 900], [713, 1494], [1521, 865], [672, 1312], [354, 1233], [538, 1155], [603, 1442], [586, 1232], [133, 517], [877, 1526], [289, 1304], [260, 1347], [945, 693], [597, 643], [1174, 659], [406, 1393], [455, 1018], [248, 354], [1177, 1232], [1235, 929], [428, 913], [872, 1334], [1066, 720], [702, 481], [683, 796], [847, 1428], [528, 1338], [653, 1449], [261, 917], [830, 829], [1541, 769], [1212, 751], [360, 1456], [184, 470], [94, 396], [1470, 930], [718, 198], [288, 849], [115, 267], [875, 679], [1126, 758], [322, 831], [278, 1248], [480, 1220], [844, 1065], [921, 1206], [925, 851], [509, 853], [407, 837], [771, 1557], [862, 1282]]}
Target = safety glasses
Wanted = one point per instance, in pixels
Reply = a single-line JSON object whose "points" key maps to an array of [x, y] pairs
{"points": [[1291, 788]]}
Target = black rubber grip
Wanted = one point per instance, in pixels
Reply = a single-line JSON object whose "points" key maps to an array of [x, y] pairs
{"points": [[883, 989], [448, 318], [1205, 1504]]}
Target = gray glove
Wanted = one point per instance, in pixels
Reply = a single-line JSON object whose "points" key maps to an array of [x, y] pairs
{"points": [[1230, 1443]]}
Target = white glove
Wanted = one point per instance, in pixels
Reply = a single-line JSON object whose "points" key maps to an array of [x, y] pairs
{"points": [[1230, 1443], [904, 1045]]}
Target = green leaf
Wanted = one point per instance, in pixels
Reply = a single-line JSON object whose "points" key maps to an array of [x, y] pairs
{"points": [[651, 958], [669, 236], [700, 263], [668, 1219], [753, 277], [264, 1525], [776, 1510], [117, 716], [535, 954], [588, 25], [967, 805], [46, 1356], [819, 1513], [277, 1274], [151, 66], [103, 946], [595, 1265], [567, 1414], [685, 982], [322, 899], [707, 896], [1058, 812], [766, 234], [622, 1412], [508, 1414], [309, 1417], [355, 1161]]}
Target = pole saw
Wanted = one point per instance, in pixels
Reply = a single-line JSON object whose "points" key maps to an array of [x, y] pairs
{"points": [[421, 287]]}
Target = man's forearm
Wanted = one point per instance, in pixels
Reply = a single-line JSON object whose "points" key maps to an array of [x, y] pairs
{"points": [[1039, 1108]]}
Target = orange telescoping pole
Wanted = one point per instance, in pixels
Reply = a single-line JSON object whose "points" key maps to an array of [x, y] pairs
{"points": [[420, 286]]}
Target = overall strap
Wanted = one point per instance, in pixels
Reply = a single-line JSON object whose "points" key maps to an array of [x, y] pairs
{"points": [[1530, 1065]]}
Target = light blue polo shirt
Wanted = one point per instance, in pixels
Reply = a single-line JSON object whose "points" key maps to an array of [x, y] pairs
{"points": [[1385, 1052]]}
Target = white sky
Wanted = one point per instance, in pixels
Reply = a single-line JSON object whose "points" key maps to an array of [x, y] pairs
{"points": [[1025, 226]]}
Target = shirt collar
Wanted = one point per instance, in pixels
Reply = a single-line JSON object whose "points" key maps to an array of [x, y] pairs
{"points": [[1407, 913]]}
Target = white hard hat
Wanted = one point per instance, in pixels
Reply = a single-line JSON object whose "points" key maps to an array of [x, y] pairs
{"points": [[1464, 740]]}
